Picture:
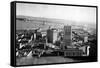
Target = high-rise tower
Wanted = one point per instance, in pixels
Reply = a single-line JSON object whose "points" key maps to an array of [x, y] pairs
{"points": [[67, 35], [51, 36]]}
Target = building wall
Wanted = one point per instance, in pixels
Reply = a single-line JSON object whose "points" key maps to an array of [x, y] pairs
{"points": [[51, 36], [67, 35], [55, 33]]}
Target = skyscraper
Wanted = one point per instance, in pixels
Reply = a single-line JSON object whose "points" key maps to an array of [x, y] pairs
{"points": [[51, 36], [67, 36]]}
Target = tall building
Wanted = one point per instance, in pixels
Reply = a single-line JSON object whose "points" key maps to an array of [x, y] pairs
{"points": [[67, 35], [51, 36]]}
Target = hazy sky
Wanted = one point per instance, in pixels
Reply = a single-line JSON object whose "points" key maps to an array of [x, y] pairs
{"points": [[73, 13]]}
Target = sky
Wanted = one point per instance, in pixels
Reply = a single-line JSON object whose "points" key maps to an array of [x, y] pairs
{"points": [[71, 13]]}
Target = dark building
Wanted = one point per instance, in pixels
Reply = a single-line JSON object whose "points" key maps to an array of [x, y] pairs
{"points": [[38, 35], [67, 36], [51, 36]]}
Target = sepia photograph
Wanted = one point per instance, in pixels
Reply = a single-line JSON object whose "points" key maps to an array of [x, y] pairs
{"points": [[54, 34]]}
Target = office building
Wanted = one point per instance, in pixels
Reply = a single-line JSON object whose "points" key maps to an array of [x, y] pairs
{"points": [[67, 35], [51, 35]]}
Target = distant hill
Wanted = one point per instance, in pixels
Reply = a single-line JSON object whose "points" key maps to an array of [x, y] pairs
{"points": [[41, 19], [27, 22]]}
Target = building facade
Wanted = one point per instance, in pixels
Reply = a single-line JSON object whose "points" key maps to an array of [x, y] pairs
{"points": [[67, 36]]}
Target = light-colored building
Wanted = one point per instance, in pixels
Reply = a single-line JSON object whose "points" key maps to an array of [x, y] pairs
{"points": [[85, 39]]}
